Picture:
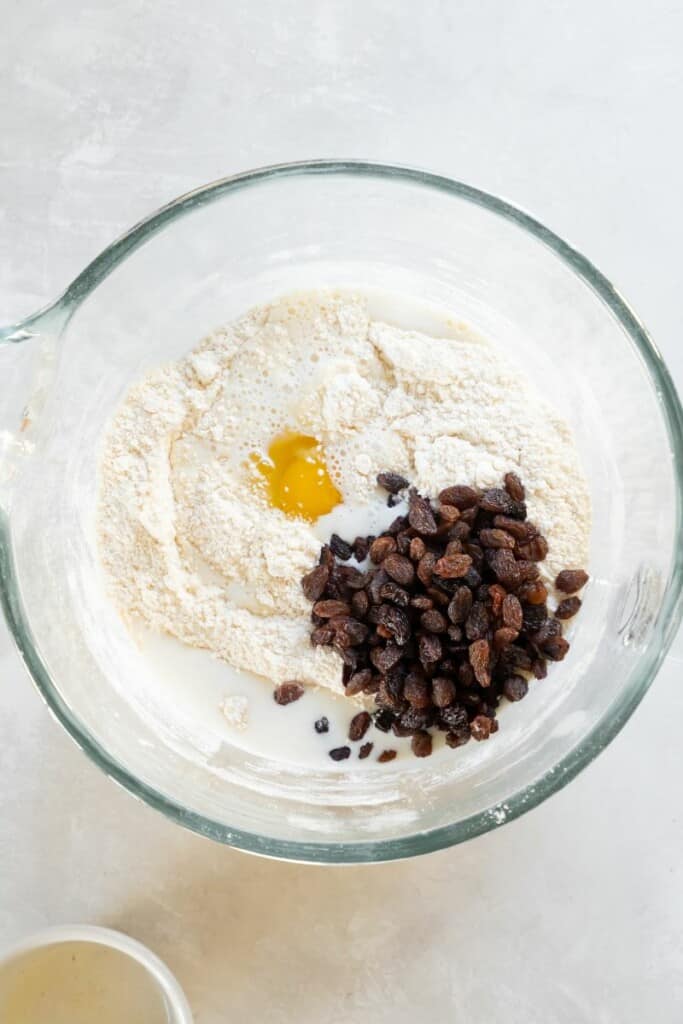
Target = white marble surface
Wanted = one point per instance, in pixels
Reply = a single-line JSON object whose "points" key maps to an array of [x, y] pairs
{"points": [[574, 913]]}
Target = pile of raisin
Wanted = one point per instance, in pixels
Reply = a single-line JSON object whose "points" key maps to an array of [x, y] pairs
{"points": [[450, 618]]}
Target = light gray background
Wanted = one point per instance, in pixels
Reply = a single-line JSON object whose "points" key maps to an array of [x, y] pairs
{"points": [[572, 109]]}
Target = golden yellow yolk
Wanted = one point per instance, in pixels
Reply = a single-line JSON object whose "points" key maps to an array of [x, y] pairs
{"points": [[296, 477]]}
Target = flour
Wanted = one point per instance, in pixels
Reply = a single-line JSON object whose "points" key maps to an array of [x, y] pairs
{"points": [[191, 546]]}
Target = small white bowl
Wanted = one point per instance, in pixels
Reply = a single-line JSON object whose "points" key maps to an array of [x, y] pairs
{"points": [[177, 1005]]}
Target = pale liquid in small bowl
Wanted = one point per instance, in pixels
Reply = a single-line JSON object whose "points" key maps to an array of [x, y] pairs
{"points": [[79, 983]]}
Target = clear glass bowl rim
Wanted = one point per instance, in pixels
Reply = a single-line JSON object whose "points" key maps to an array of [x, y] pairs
{"points": [[57, 314]]}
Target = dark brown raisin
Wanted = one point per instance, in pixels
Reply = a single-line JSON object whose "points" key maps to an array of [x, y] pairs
{"points": [[381, 547], [392, 482], [425, 568], [287, 693], [386, 755], [434, 622], [466, 674], [374, 587], [521, 531], [555, 648], [350, 577], [571, 580], [511, 611], [460, 605], [448, 516], [533, 616], [359, 725], [437, 596], [397, 595], [481, 727], [365, 750], [340, 753], [421, 603], [322, 636], [454, 717], [454, 547], [534, 550], [326, 556], [399, 524], [458, 737], [568, 608], [395, 621], [514, 487], [322, 725], [469, 516], [453, 566], [461, 496], [399, 568], [382, 720], [477, 624], [479, 655], [360, 602], [497, 539], [421, 744], [443, 691], [455, 634], [429, 648], [348, 632], [515, 687], [384, 658], [340, 548], [540, 668], [403, 543], [361, 546], [504, 636], [496, 500], [358, 682], [420, 514], [533, 592], [416, 691], [330, 609], [313, 584], [504, 565]]}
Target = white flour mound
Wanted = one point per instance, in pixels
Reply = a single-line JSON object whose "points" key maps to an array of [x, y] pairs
{"points": [[190, 545]]}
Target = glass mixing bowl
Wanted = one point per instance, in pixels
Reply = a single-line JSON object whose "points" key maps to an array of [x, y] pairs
{"points": [[201, 261]]}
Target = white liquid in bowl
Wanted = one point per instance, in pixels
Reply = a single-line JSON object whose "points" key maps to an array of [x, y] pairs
{"points": [[79, 983]]}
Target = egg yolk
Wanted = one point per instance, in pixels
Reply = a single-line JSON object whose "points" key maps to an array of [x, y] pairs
{"points": [[296, 477]]}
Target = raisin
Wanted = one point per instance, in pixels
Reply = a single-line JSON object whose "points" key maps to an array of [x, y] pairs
{"points": [[392, 482], [358, 682], [330, 609], [421, 744], [381, 547], [417, 549], [568, 608], [461, 496], [455, 634], [533, 616], [399, 568], [384, 658], [443, 691], [555, 648], [571, 580], [287, 693], [534, 550], [403, 543], [503, 564], [420, 514], [521, 531], [313, 584], [365, 750], [452, 566], [397, 595], [466, 674], [414, 719], [479, 655], [322, 725], [359, 725], [374, 587], [448, 517], [454, 547], [340, 753], [540, 668], [437, 596], [458, 737], [395, 621], [382, 720], [481, 727], [454, 717], [460, 605], [429, 647], [322, 636], [477, 623], [340, 548], [533, 592], [514, 487], [504, 636], [515, 687], [512, 612], [348, 632], [399, 524], [497, 539], [425, 568], [496, 500], [421, 603], [386, 755], [361, 547], [360, 602], [434, 622], [416, 691]]}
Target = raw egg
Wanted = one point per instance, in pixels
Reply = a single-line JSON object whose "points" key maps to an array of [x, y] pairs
{"points": [[296, 477]]}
